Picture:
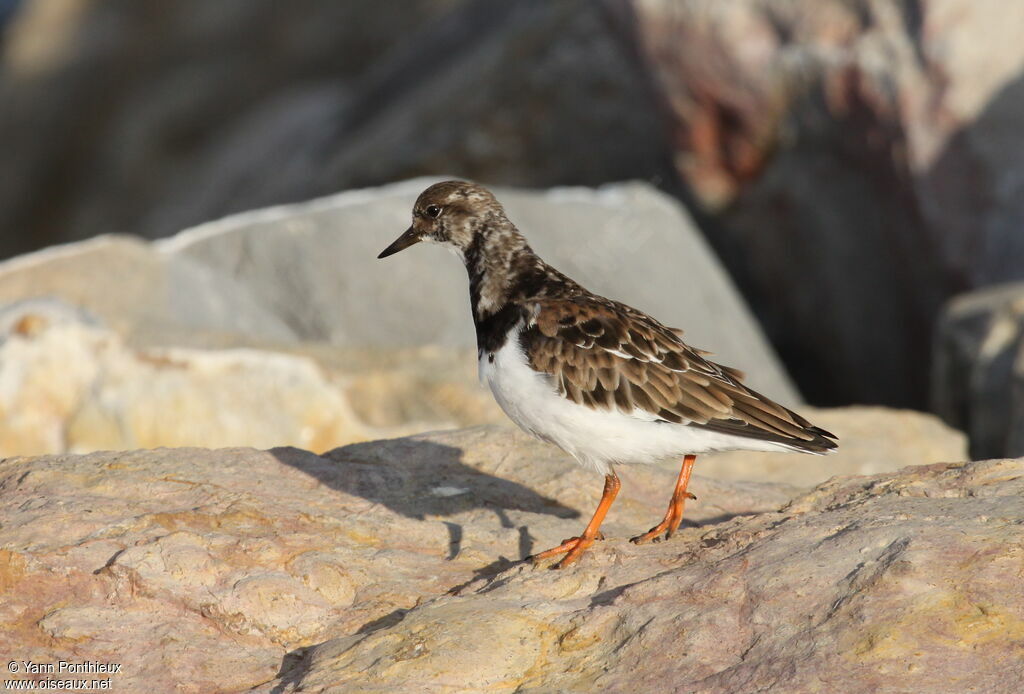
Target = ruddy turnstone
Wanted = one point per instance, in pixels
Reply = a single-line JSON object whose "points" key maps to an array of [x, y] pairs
{"points": [[605, 382]]}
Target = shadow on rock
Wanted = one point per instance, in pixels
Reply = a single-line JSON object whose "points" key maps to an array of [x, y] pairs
{"points": [[420, 479]]}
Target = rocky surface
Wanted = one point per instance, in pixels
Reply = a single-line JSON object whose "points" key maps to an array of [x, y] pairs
{"points": [[882, 584], [978, 374], [208, 567], [871, 144], [392, 565]]}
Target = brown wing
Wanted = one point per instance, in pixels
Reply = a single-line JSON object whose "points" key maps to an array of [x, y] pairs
{"points": [[608, 355]]}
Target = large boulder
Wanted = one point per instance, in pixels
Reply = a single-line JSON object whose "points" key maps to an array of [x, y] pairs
{"points": [[861, 161], [392, 565], [314, 266], [308, 272], [978, 373]]}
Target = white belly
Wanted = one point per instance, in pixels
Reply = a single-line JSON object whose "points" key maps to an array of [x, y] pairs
{"points": [[596, 438]]}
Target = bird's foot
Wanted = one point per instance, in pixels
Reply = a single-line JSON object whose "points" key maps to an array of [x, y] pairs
{"points": [[653, 535], [573, 549], [668, 525]]}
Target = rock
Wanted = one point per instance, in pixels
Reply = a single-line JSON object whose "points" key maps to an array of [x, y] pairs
{"points": [[308, 272], [313, 265], [860, 164], [898, 582], [521, 93], [148, 297], [74, 387], [978, 374], [392, 565], [871, 440], [67, 384], [411, 389], [177, 81], [207, 568], [326, 96]]}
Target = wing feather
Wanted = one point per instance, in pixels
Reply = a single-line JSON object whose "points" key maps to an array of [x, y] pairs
{"points": [[607, 355]]}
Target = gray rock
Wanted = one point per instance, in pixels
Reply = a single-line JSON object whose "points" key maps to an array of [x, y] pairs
{"points": [[978, 374], [314, 265], [146, 296]]}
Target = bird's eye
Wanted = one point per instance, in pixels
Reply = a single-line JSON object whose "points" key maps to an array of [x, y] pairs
{"points": [[433, 211]]}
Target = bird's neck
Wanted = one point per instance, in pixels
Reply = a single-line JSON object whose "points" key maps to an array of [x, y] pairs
{"points": [[496, 263], [505, 274]]}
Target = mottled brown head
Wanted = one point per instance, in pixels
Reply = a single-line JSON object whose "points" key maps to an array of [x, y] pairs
{"points": [[451, 213]]}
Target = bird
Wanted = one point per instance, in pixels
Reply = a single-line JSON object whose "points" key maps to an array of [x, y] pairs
{"points": [[605, 382]]}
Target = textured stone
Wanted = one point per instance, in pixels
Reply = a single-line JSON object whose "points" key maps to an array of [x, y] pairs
{"points": [[893, 583], [978, 373], [314, 265], [391, 565], [308, 272], [201, 570], [69, 386]]}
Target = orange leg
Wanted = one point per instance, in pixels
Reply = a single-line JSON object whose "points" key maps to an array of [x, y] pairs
{"points": [[575, 546], [674, 514]]}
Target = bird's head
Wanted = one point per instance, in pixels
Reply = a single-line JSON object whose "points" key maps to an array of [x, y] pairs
{"points": [[451, 214]]}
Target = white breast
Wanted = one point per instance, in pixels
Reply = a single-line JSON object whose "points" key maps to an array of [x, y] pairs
{"points": [[596, 438]]}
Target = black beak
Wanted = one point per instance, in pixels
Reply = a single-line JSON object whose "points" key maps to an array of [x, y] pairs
{"points": [[401, 243]]}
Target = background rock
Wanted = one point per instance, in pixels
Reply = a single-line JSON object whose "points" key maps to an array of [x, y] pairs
{"points": [[67, 384], [314, 266], [145, 296], [866, 149], [72, 387], [978, 375], [871, 440], [222, 570]]}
